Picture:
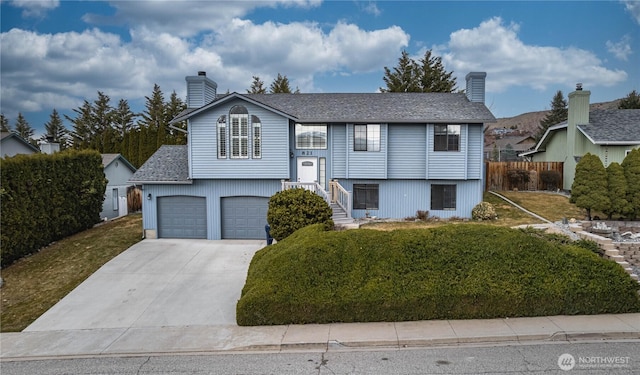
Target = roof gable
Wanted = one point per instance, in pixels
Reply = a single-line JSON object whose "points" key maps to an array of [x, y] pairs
{"points": [[107, 159], [8, 136]]}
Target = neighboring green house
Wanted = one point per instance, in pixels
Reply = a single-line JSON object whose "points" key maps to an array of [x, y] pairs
{"points": [[609, 134]]}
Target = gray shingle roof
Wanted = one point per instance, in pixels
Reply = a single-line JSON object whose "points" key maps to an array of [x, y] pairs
{"points": [[169, 164], [109, 158], [368, 107], [617, 126]]}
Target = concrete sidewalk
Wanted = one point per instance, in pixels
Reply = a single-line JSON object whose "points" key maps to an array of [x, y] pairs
{"points": [[315, 337]]}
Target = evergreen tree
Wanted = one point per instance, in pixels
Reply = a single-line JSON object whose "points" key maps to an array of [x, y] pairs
{"points": [[173, 108], [102, 124], [25, 130], [425, 75], [617, 187], [404, 77], [495, 154], [631, 166], [82, 134], [257, 86], [154, 120], [280, 85], [433, 76], [556, 115], [4, 123], [56, 130], [589, 189], [123, 118], [631, 101]]}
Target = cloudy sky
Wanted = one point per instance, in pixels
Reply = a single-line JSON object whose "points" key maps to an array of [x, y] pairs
{"points": [[55, 54]]}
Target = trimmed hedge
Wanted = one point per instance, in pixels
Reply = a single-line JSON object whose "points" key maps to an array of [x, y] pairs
{"points": [[450, 272], [47, 197]]}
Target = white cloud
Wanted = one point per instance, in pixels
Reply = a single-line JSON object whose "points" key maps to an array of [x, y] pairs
{"points": [[169, 16], [35, 8], [621, 49], [633, 7], [372, 8], [495, 48], [67, 67]]}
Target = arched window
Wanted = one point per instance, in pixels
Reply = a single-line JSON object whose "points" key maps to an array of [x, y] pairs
{"points": [[239, 134], [222, 137], [257, 137]]}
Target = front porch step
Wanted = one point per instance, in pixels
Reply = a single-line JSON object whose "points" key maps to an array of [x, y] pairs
{"points": [[340, 217]]}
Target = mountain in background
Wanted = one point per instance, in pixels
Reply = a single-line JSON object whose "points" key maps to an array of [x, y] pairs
{"points": [[528, 123]]}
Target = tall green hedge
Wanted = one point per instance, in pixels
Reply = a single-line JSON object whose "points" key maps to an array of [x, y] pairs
{"points": [[47, 197]]}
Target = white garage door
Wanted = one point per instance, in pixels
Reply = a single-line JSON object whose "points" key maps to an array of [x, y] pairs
{"points": [[182, 217], [244, 217]]}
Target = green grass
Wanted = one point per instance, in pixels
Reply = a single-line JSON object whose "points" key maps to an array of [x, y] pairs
{"points": [[464, 271], [34, 284]]}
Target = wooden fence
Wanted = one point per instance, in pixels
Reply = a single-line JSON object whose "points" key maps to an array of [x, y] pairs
{"points": [[496, 174]]}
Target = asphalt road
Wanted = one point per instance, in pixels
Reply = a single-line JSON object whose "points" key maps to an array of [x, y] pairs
{"points": [[610, 357]]}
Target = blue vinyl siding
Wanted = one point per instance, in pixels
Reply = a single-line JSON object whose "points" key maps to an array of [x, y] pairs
{"points": [[475, 164], [447, 165], [338, 146], [367, 164], [204, 160], [402, 198], [407, 144], [213, 190]]}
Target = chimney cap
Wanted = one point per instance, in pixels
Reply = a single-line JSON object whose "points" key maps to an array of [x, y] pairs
{"points": [[202, 73], [579, 86]]}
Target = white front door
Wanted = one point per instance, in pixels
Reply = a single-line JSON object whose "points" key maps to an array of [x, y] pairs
{"points": [[307, 169]]}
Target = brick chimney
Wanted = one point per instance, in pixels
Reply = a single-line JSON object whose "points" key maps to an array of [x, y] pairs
{"points": [[200, 90], [475, 86]]}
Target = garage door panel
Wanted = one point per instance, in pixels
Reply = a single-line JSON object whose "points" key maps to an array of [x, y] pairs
{"points": [[244, 217], [182, 217]]}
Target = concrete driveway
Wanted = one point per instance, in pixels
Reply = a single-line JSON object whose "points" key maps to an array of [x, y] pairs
{"points": [[158, 283]]}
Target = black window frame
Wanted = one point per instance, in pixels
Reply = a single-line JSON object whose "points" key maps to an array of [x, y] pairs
{"points": [[444, 197], [364, 137], [445, 139], [366, 196]]}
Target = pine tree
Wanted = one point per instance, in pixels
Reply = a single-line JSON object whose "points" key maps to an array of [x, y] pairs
{"points": [[56, 130], [4, 123], [280, 85], [433, 76], [589, 189], [154, 120], [257, 86], [425, 75], [631, 166], [102, 123], [25, 130], [404, 77], [173, 108], [631, 101], [556, 115], [617, 188], [82, 133]]}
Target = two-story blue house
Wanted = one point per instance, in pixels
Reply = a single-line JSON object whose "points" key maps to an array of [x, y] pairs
{"points": [[376, 154]]}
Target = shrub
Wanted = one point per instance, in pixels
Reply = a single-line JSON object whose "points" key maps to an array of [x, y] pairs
{"points": [[484, 211], [589, 188], [422, 215], [551, 179], [292, 209], [48, 197], [463, 271], [518, 177]]}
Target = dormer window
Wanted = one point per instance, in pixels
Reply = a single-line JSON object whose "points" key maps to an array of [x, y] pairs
{"points": [[239, 134]]}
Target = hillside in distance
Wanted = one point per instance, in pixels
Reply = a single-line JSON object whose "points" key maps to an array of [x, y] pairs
{"points": [[528, 123]]}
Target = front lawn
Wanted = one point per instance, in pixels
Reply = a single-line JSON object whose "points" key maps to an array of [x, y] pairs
{"points": [[34, 284], [464, 271]]}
